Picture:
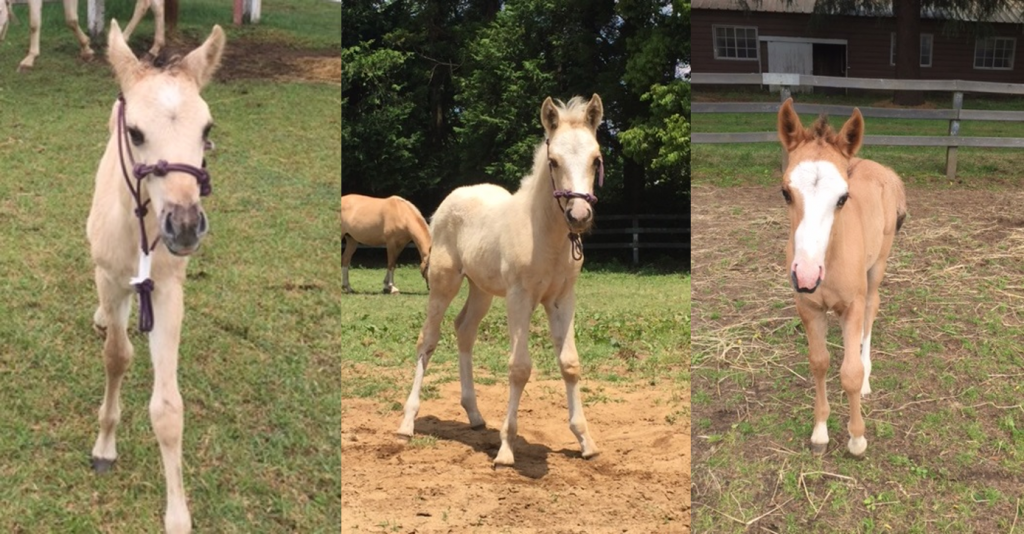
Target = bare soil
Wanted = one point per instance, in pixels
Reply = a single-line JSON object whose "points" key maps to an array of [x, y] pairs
{"points": [[267, 60], [640, 483]]}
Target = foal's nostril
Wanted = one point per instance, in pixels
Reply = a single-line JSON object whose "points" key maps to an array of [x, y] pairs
{"points": [[203, 224], [168, 225]]}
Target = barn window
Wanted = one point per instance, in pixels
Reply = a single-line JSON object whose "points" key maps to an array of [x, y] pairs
{"points": [[994, 53], [926, 49], [735, 42]]}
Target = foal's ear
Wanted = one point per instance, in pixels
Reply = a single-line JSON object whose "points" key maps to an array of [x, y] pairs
{"points": [[203, 62], [849, 139], [549, 116], [595, 112], [126, 66], [791, 130]]}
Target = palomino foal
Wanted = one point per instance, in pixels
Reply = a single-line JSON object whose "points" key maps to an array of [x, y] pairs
{"points": [[844, 213], [515, 246], [159, 131], [35, 10]]}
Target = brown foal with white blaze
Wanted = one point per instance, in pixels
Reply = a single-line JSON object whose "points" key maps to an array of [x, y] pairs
{"points": [[844, 213], [160, 118], [392, 222], [35, 10], [515, 246]]}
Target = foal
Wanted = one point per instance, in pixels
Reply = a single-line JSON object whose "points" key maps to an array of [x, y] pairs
{"points": [[161, 118], [844, 213], [515, 246]]}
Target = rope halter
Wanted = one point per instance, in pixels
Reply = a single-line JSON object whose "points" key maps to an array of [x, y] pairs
{"points": [[574, 237]]}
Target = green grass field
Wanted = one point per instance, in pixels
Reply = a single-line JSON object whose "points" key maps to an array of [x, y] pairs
{"points": [[945, 451], [259, 368], [737, 164], [629, 328]]}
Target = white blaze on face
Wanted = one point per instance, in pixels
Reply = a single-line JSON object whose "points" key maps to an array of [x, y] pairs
{"points": [[820, 185]]}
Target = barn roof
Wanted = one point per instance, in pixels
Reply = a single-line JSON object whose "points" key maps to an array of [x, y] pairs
{"points": [[1012, 15]]}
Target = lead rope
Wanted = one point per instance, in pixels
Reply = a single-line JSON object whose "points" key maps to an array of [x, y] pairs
{"points": [[142, 282], [574, 237]]}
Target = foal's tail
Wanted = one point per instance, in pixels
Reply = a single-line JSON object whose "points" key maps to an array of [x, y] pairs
{"points": [[901, 200]]}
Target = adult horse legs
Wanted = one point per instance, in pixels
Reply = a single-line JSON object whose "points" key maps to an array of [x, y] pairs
{"points": [[560, 319], [394, 249], [442, 291], [346, 259], [816, 325], [112, 317], [520, 308], [35, 13], [158, 20], [851, 374], [166, 410], [466, 325], [71, 21]]}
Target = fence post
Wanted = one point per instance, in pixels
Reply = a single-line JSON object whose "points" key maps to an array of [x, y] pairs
{"points": [[636, 241], [954, 129], [784, 95]]}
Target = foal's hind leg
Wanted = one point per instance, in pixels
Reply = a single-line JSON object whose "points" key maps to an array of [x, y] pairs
{"points": [[560, 319], [166, 409], [466, 327], [115, 304], [346, 260], [443, 289], [875, 275]]}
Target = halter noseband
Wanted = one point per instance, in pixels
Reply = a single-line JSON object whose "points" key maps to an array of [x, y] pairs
{"points": [[141, 281], [574, 237]]}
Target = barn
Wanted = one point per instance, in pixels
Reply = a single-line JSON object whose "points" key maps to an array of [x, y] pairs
{"points": [[733, 36]]}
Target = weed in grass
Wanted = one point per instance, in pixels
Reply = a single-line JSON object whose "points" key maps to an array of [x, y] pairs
{"points": [[423, 442]]}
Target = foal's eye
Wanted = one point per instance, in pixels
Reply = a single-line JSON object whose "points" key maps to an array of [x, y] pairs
{"points": [[552, 163], [206, 131], [787, 196], [842, 200], [597, 162], [136, 135]]}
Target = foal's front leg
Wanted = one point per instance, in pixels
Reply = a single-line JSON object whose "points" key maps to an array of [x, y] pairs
{"points": [[166, 410], [816, 325], [111, 318], [520, 308], [560, 318]]}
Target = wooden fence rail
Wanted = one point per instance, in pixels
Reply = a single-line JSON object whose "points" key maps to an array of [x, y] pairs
{"points": [[787, 81], [672, 233]]}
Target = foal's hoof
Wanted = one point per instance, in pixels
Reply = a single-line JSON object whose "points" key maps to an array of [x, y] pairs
{"points": [[100, 465], [589, 455], [390, 290], [347, 289], [819, 448], [857, 446]]}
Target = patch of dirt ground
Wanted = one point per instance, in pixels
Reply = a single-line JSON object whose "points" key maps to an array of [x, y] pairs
{"points": [[248, 58], [443, 480]]}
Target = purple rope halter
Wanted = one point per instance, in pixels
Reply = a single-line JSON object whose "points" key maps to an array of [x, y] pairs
{"points": [[142, 282], [574, 237]]}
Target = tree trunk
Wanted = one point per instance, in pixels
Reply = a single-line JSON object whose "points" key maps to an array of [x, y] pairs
{"points": [[908, 50]]}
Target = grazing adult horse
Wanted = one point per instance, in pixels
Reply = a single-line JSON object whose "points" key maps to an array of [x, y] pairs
{"points": [[146, 219], [844, 213], [35, 10], [516, 246], [392, 221]]}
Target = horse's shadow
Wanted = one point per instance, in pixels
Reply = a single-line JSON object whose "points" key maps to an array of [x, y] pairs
{"points": [[531, 458], [382, 294]]}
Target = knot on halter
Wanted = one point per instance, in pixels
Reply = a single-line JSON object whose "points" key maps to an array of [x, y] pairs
{"points": [[145, 291], [161, 168], [141, 211], [561, 193]]}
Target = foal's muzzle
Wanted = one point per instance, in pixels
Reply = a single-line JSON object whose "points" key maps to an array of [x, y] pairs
{"points": [[182, 228]]}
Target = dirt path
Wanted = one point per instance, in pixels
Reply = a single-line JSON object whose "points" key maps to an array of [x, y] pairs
{"points": [[639, 484]]}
